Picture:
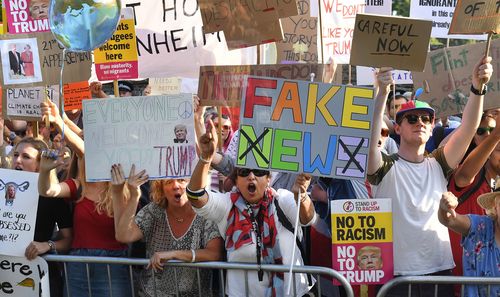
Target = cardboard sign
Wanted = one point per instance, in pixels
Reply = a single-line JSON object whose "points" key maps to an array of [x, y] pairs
{"points": [[24, 103], [299, 126], [299, 38], [117, 59], [27, 16], [448, 76], [223, 85], [218, 15], [362, 240], [476, 17], [74, 93], [165, 85], [338, 27], [171, 41], [18, 207], [23, 278], [45, 65], [441, 13], [140, 130], [250, 31], [397, 42]]}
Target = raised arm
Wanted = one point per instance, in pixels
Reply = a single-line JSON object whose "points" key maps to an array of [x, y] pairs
{"points": [[75, 142], [47, 185], [126, 229], [208, 145], [466, 173], [455, 148], [384, 81], [448, 217], [307, 211]]}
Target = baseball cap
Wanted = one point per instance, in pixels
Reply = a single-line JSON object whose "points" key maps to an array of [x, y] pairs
{"points": [[414, 105]]}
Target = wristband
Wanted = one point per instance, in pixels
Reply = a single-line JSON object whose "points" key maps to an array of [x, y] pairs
{"points": [[478, 92], [12, 136], [193, 256], [195, 195]]}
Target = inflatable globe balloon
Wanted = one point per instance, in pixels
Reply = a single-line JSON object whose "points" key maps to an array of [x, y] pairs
{"points": [[83, 25]]}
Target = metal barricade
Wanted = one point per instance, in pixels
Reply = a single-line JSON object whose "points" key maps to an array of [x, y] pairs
{"points": [[436, 281], [315, 271]]}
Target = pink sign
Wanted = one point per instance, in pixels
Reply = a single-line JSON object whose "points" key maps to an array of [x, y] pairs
{"points": [[27, 16]]}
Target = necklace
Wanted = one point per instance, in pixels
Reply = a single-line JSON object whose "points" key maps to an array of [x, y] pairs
{"points": [[179, 220]]}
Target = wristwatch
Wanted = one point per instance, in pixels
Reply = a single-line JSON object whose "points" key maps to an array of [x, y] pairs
{"points": [[52, 245], [12, 136], [478, 92]]}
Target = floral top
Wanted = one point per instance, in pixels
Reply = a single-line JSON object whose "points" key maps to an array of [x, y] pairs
{"points": [[481, 256], [152, 220]]}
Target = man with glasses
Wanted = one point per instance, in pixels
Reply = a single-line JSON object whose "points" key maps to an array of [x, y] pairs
{"points": [[415, 181]]}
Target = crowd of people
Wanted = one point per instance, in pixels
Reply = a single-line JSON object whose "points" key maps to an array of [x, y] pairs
{"points": [[440, 189]]}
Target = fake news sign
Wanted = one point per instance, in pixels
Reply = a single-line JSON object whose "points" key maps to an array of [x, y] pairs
{"points": [[301, 126]]}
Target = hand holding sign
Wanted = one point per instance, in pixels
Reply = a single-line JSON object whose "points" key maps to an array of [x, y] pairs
{"points": [[208, 142], [482, 73]]}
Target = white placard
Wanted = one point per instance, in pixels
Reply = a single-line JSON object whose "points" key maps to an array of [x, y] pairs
{"points": [[18, 206], [23, 278], [140, 131]]}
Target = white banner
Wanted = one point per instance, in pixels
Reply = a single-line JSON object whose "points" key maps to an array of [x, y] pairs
{"points": [[440, 14], [23, 278], [338, 18], [19, 190], [155, 133], [171, 41]]}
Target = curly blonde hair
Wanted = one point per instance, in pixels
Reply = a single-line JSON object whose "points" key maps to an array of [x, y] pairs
{"points": [[156, 193]]}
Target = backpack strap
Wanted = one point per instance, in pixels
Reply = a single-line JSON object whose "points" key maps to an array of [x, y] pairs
{"points": [[282, 218], [474, 188]]}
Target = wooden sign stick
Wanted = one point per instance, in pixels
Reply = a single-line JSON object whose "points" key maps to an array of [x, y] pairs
{"points": [[486, 53], [115, 88]]}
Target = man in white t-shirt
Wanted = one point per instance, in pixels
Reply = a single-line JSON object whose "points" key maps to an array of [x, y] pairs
{"points": [[415, 182]]}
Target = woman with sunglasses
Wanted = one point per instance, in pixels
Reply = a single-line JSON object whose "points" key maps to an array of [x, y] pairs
{"points": [[248, 220], [474, 177]]}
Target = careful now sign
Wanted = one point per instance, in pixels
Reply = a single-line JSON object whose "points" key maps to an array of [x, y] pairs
{"points": [[302, 126]]}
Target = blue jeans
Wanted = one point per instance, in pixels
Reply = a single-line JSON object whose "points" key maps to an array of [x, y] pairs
{"points": [[98, 276]]}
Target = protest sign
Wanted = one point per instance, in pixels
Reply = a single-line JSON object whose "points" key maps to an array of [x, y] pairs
{"points": [[305, 127], [338, 27], [362, 240], [27, 16], [299, 37], [447, 77], [223, 85], [476, 17], [365, 76], [23, 278], [140, 130], [17, 210], [383, 7], [218, 15], [165, 85], [441, 13], [44, 66], [251, 30], [397, 42], [171, 41], [117, 59], [74, 93], [24, 103]]}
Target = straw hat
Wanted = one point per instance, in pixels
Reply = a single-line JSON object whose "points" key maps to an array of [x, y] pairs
{"points": [[487, 201]]}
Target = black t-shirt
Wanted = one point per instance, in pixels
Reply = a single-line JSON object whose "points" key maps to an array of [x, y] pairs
{"points": [[51, 211]]}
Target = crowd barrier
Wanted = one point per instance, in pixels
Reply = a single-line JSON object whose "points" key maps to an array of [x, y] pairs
{"points": [[438, 280], [315, 271]]}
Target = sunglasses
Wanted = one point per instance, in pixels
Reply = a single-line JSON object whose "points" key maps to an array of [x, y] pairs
{"points": [[244, 172], [384, 132], [225, 127], [483, 130], [413, 118]]}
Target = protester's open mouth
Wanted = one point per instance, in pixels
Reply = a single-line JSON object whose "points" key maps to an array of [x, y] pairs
{"points": [[18, 168], [178, 197], [251, 188]]}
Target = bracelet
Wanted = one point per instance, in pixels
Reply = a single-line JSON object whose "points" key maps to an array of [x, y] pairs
{"points": [[205, 161], [193, 256], [52, 246], [195, 195], [478, 92]]}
